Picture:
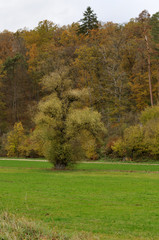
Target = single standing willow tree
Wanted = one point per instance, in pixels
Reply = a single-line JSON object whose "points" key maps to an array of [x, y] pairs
{"points": [[89, 22], [63, 119]]}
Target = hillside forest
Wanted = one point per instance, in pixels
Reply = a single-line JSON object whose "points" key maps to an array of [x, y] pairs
{"points": [[101, 76]]}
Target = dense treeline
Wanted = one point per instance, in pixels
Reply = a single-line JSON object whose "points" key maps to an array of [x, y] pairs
{"points": [[118, 64]]}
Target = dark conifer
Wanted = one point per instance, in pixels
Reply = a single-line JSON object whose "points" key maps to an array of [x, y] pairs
{"points": [[89, 22]]}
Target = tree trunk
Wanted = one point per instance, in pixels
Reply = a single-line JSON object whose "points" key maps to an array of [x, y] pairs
{"points": [[60, 166], [149, 69], [158, 82]]}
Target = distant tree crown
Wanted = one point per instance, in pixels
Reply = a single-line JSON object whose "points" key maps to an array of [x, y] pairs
{"points": [[89, 22]]}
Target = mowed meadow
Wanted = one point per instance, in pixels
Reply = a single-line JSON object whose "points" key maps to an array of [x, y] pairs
{"points": [[96, 200]]}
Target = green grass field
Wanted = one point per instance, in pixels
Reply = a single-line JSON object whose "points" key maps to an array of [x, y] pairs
{"points": [[111, 201]]}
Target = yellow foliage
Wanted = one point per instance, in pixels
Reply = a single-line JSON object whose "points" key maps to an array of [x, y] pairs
{"points": [[66, 128], [15, 140], [88, 144], [141, 139]]}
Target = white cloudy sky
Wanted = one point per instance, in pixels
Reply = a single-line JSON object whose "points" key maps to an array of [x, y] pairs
{"points": [[16, 14]]}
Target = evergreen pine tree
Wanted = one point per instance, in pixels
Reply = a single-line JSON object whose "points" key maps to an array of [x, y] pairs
{"points": [[89, 22]]}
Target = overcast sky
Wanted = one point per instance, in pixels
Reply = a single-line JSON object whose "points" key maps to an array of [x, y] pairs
{"points": [[17, 14]]}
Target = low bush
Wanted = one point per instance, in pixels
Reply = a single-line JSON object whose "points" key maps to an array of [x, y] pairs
{"points": [[141, 140]]}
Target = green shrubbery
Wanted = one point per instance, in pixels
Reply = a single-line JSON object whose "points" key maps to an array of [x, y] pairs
{"points": [[15, 140], [19, 144], [141, 140], [150, 113]]}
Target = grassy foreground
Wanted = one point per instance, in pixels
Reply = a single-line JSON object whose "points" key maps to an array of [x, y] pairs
{"points": [[110, 201], [13, 228]]}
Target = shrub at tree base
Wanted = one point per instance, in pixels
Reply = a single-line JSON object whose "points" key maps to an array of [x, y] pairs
{"points": [[15, 140], [18, 144], [132, 143], [150, 113], [141, 140]]}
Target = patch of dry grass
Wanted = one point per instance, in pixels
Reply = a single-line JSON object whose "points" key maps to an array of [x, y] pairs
{"points": [[13, 228]]}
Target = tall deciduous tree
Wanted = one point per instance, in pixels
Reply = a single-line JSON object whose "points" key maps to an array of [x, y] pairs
{"points": [[63, 118], [144, 19], [154, 22], [16, 88]]}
